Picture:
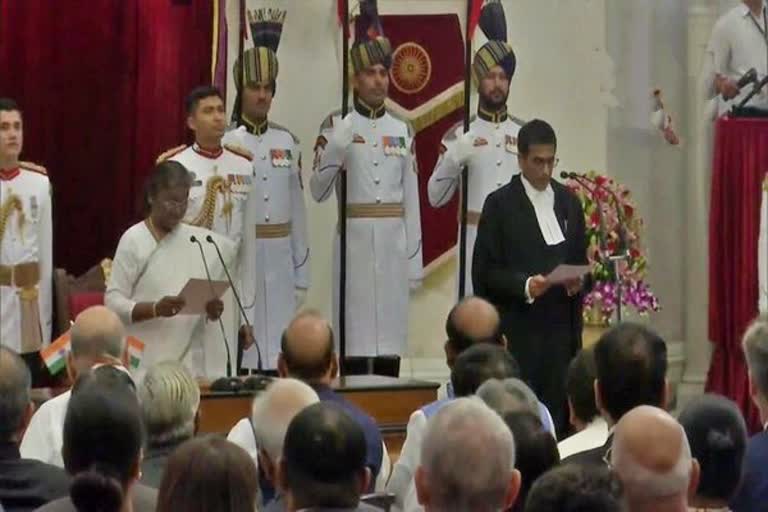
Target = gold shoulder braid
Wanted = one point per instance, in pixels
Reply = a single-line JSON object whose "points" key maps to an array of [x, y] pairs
{"points": [[11, 204], [215, 185]]}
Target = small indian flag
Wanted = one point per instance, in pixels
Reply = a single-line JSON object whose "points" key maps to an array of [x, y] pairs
{"points": [[135, 350], [55, 354]]}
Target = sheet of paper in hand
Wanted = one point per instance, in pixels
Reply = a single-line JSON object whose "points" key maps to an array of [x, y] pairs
{"points": [[563, 273], [197, 292]]}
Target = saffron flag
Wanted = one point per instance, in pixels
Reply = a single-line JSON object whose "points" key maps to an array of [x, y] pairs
{"points": [[134, 350], [55, 354]]}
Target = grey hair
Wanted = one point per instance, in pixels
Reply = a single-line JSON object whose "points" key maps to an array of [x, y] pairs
{"points": [[169, 398], [508, 395], [466, 433], [15, 385], [755, 343], [273, 411]]}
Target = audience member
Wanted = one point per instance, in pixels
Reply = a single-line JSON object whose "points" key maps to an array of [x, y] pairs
{"points": [[273, 411], [323, 466], [473, 320], [103, 439], [169, 399], [576, 488], [25, 484], [97, 336], [512, 395], [208, 474], [631, 363], [591, 428], [472, 368], [718, 438], [651, 456], [467, 460], [535, 450], [753, 494]]}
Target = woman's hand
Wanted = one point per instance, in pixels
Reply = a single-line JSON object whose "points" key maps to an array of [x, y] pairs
{"points": [[214, 308]]}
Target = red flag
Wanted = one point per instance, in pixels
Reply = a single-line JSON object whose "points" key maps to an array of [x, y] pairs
{"points": [[475, 7]]}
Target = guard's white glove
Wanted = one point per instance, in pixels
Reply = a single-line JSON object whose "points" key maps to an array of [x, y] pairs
{"points": [[464, 148], [342, 134], [300, 294]]}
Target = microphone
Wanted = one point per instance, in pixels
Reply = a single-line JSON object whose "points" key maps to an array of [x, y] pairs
{"points": [[759, 85], [194, 240], [211, 241], [747, 78]]}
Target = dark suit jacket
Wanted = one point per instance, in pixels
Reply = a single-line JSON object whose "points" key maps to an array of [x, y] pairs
{"points": [[753, 495], [27, 484], [593, 457]]}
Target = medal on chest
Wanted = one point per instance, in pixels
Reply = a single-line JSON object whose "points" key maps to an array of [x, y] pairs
{"points": [[394, 146], [280, 157], [510, 143]]}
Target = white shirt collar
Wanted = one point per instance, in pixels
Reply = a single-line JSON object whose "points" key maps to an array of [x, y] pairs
{"points": [[543, 202], [533, 193]]}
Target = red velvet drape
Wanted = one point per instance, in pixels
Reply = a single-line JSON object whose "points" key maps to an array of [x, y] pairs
{"points": [[102, 84], [739, 166]]}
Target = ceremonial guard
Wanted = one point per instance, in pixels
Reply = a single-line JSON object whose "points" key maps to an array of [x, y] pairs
{"points": [[489, 148], [26, 265], [221, 185], [276, 260], [376, 151]]}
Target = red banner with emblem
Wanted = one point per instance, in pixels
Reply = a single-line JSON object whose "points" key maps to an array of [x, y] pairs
{"points": [[427, 88]]}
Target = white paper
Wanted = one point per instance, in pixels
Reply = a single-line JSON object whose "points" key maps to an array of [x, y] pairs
{"points": [[198, 292], [564, 273]]}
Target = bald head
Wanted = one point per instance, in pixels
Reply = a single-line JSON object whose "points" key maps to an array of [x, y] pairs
{"points": [[651, 455], [472, 320], [15, 384], [307, 348], [96, 333], [274, 409]]}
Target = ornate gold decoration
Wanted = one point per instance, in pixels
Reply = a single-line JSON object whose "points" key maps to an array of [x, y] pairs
{"points": [[215, 185], [411, 68], [12, 203]]}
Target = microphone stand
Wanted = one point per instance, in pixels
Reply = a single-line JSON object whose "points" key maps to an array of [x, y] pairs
{"points": [[758, 86], [194, 240]]}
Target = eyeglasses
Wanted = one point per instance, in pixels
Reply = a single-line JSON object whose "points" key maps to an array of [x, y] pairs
{"points": [[178, 206], [542, 162]]}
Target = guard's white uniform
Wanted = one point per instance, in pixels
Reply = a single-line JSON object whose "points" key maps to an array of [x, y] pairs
{"points": [[276, 260], [26, 258], [383, 226], [491, 164]]}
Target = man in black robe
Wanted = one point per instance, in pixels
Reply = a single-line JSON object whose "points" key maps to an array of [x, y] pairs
{"points": [[527, 228]]}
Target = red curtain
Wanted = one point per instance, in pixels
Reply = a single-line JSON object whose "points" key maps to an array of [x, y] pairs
{"points": [[102, 85], [739, 166]]}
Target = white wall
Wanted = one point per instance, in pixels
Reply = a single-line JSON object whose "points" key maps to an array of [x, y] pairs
{"points": [[564, 76]]}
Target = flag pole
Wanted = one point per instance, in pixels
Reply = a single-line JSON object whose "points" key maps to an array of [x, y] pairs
{"points": [[343, 195], [465, 171]]}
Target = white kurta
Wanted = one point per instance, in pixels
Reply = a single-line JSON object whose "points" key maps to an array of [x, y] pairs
{"points": [[27, 237], [383, 254], [145, 270], [272, 267], [230, 175], [491, 166], [44, 436], [737, 44]]}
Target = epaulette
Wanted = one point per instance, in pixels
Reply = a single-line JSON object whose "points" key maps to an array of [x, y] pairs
{"points": [[240, 151], [457, 128], [170, 153], [328, 121], [282, 128], [517, 120], [29, 166]]}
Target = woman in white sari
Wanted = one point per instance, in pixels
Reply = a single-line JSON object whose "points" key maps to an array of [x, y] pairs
{"points": [[154, 260]]}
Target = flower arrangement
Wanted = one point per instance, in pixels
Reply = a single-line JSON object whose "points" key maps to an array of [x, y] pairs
{"points": [[600, 304]]}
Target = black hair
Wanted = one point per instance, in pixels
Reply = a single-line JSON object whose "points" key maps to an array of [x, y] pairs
{"points": [[535, 132], [200, 93], [535, 450], [718, 437], [103, 437], [479, 363], [9, 105], [302, 368], [324, 456], [460, 341], [631, 362], [164, 175], [579, 383], [576, 488], [15, 385]]}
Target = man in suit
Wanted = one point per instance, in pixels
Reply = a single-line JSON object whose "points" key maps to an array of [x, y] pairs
{"points": [[631, 362], [527, 228], [753, 494]]}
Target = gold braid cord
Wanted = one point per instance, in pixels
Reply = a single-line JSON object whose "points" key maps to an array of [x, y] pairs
{"points": [[11, 204], [216, 185]]}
